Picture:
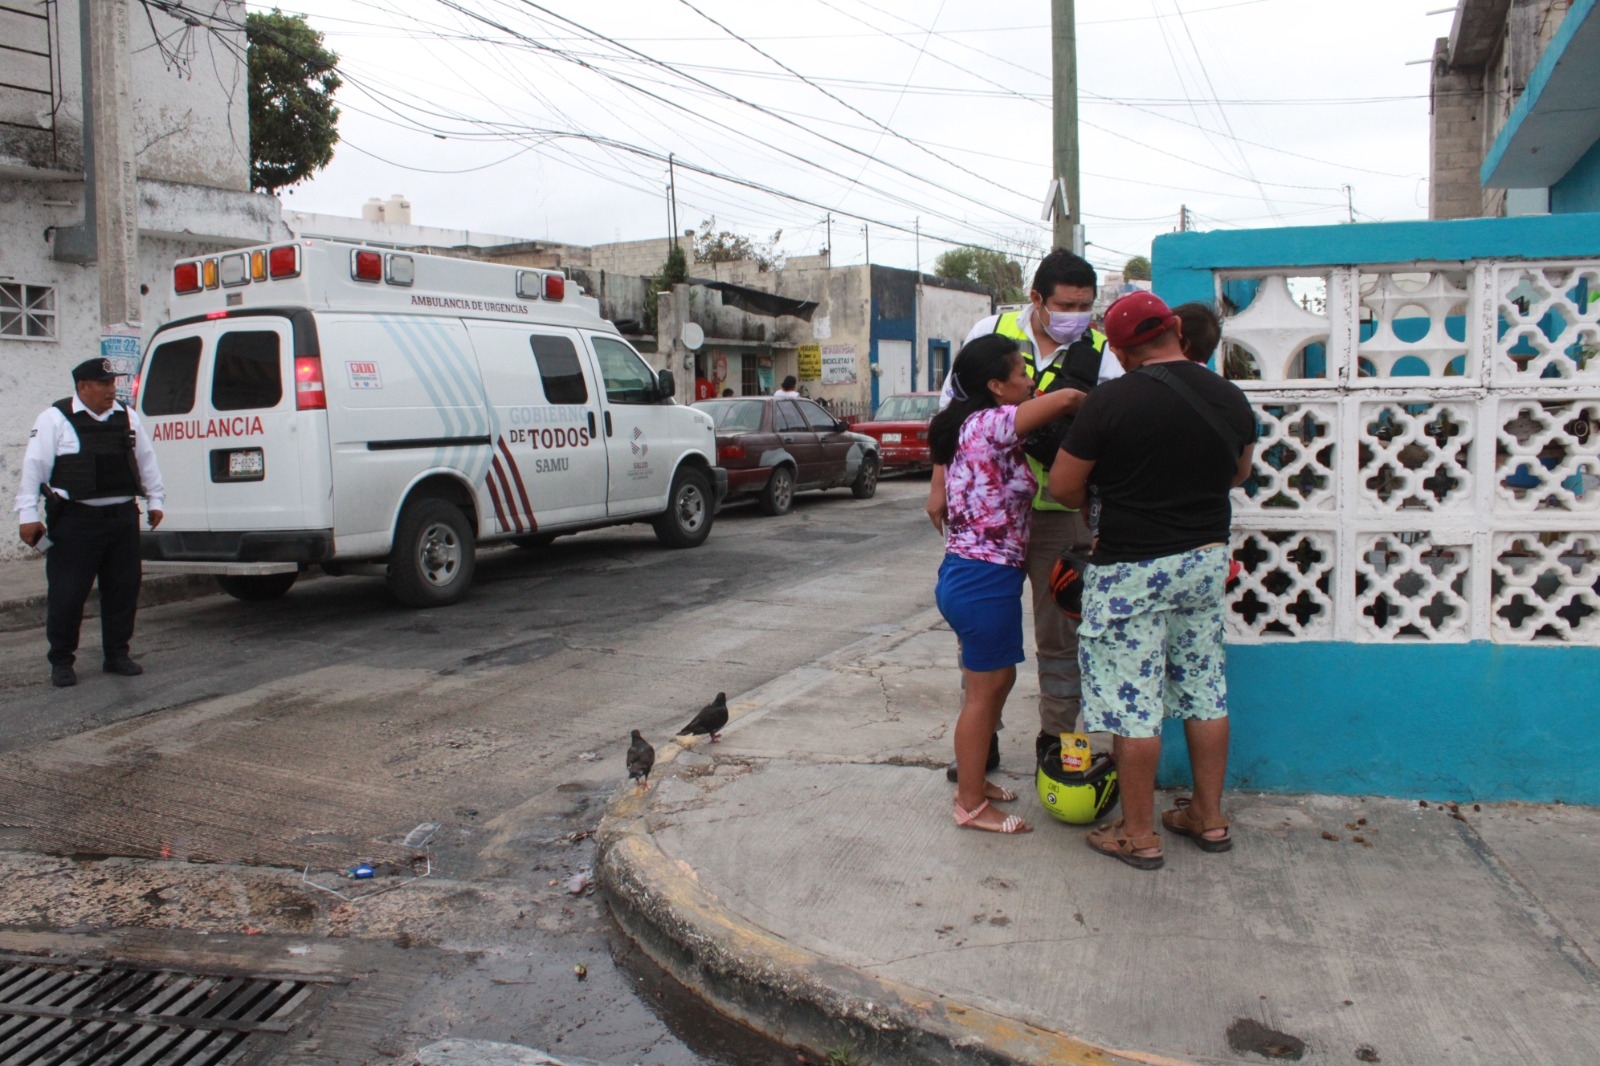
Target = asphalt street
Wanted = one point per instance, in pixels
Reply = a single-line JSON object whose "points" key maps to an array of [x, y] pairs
{"points": [[206, 809]]}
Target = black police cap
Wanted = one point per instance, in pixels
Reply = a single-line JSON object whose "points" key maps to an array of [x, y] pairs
{"points": [[96, 369]]}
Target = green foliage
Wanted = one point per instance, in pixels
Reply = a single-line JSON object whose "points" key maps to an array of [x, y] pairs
{"points": [[1136, 269], [844, 1056], [674, 271], [725, 246], [1001, 276], [293, 123]]}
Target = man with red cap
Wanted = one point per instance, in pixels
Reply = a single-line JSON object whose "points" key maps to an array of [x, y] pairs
{"points": [[1158, 449]]}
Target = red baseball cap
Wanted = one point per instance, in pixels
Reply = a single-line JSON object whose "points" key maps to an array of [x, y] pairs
{"points": [[1137, 318]]}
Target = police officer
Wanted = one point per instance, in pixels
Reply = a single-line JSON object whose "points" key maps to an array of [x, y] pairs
{"points": [[89, 457]]}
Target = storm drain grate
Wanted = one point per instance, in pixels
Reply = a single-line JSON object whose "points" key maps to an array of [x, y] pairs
{"points": [[72, 1013]]}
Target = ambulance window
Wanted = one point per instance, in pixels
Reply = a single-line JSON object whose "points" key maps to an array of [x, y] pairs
{"points": [[559, 370], [168, 384], [628, 379], [246, 373]]}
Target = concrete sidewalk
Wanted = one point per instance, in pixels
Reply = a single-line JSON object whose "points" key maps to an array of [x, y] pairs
{"points": [[805, 876]]}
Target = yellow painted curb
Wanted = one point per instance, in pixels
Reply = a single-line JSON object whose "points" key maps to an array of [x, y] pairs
{"points": [[794, 995]]}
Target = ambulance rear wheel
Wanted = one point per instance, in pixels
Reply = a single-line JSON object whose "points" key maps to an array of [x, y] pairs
{"points": [[256, 588], [687, 520], [434, 555]]}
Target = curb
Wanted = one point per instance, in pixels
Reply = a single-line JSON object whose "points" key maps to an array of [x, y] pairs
{"points": [[28, 612], [793, 995]]}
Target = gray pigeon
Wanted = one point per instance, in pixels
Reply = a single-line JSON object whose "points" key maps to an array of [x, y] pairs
{"points": [[712, 717], [641, 757]]}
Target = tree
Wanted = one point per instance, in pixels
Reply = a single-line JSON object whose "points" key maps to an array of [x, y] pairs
{"points": [[293, 123], [1001, 276], [726, 246], [1136, 269], [673, 272]]}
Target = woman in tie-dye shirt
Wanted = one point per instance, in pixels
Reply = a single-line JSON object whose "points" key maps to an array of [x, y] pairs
{"points": [[978, 438]]}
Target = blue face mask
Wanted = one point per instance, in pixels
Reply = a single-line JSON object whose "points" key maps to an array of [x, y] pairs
{"points": [[1066, 327]]}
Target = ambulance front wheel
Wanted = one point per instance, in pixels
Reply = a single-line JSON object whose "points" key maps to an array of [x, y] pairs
{"points": [[686, 523], [434, 555], [256, 588]]}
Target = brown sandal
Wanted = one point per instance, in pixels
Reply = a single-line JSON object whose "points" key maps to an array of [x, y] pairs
{"points": [[1110, 840], [1181, 820]]}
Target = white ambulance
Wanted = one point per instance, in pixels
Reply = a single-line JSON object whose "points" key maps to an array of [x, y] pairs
{"points": [[382, 412]]}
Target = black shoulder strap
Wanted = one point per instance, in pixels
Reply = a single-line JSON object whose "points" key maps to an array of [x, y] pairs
{"points": [[1224, 431], [65, 407]]}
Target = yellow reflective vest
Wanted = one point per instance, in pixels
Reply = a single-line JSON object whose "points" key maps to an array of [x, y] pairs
{"points": [[1010, 325]]}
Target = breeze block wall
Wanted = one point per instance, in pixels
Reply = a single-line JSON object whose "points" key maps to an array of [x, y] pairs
{"points": [[1419, 611]]}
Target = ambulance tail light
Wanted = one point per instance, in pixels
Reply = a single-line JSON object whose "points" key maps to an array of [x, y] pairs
{"points": [[309, 394], [186, 278], [366, 266], [284, 261], [555, 287]]}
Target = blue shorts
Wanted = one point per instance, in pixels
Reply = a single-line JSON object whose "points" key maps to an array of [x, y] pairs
{"points": [[983, 604]]}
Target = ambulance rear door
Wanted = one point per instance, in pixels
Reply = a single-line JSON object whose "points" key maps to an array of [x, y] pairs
{"points": [[237, 452]]}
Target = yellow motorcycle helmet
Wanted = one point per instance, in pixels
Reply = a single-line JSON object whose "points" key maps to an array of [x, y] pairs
{"points": [[1077, 798]]}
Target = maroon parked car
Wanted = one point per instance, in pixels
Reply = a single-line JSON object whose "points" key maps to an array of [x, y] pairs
{"points": [[901, 428], [774, 448]]}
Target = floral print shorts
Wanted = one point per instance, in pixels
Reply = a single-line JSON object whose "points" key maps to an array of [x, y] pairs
{"points": [[1150, 643]]}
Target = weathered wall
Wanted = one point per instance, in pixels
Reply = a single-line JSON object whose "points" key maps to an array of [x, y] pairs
{"points": [[943, 316], [191, 104], [1455, 141], [637, 257]]}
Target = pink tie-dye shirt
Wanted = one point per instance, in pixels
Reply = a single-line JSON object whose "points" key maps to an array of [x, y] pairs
{"points": [[989, 489]]}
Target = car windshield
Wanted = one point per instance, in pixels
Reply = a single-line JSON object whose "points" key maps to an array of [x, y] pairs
{"points": [[907, 409], [733, 414]]}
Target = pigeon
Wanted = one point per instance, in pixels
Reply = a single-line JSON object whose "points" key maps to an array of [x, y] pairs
{"points": [[641, 757], [712, 717]]}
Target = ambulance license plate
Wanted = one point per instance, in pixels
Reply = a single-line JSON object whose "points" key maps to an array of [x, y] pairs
{"points": [[248, 464]]}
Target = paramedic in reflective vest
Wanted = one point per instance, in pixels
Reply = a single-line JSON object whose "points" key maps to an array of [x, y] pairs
{"points": [[89, 457], [1060, 351]]}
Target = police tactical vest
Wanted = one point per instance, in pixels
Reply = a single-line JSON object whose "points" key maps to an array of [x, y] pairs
{"points": [[1075, 366], [105, 464]]}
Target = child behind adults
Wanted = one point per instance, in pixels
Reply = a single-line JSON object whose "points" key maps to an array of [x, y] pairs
{"points": [[979, 438], [1199, 331]]}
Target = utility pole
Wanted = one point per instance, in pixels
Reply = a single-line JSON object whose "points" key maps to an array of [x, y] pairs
{"points": [[866, 233], [1183, 218], [917, 224], [829, 222], [1349, 203], [672, 196], [1068, 232], [116, 186]]}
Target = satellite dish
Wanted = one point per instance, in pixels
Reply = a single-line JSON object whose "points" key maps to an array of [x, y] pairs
{"points": [[693, 336]]}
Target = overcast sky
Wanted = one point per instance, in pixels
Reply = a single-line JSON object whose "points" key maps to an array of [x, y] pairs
{"points": [[553, 118]]}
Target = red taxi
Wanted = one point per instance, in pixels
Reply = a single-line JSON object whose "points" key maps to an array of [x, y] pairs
{"points": [[901, 429]]}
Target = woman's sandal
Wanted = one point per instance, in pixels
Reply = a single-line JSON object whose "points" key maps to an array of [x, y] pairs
{"points": [[1180, 820], [1012, 823], [1110, 840], [998, 793]]}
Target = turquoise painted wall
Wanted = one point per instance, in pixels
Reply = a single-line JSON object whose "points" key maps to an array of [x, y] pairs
{"points": [[1442, 721], [1580, 189], [1475, 721]]}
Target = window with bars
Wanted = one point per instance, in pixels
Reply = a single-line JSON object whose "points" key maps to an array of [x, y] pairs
{"points": [[27, 312]]}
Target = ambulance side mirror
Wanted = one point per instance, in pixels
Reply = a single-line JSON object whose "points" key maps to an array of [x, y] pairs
{"points": [[666, 385]]}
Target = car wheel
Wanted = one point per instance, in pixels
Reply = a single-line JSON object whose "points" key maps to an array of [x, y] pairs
{"points": [[865, 486], [257, 588], [686, 523], [434, 555], [778, 496]]}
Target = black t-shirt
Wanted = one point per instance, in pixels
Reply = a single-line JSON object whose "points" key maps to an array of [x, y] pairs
{"points": [[1162, 474]]}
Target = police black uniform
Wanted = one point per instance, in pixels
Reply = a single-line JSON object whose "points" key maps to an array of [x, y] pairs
{"points": [[89, 458]]}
